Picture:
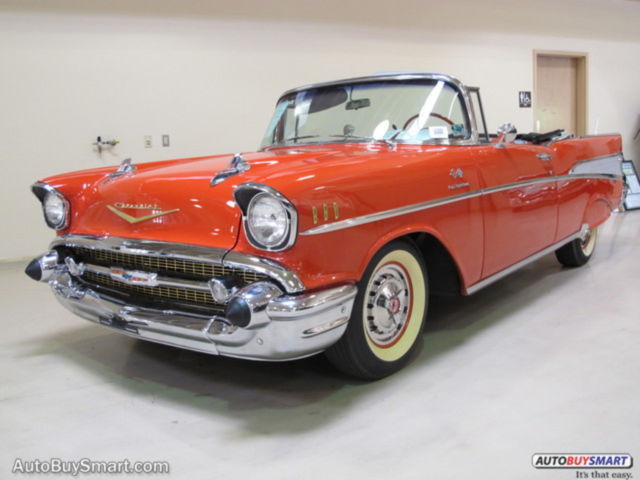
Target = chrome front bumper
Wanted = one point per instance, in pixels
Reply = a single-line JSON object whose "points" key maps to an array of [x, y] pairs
{"points": [[276, 325], [292, 326]]}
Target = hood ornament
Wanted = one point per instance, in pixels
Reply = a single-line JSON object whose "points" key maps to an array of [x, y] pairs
{"points": [[237, 165], [125, 168]]}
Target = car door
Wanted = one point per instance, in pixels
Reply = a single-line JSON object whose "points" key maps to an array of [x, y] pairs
{"points": [[519, 203]]}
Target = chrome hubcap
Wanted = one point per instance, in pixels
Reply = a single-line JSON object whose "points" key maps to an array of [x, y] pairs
{"points": [[388, 304]]}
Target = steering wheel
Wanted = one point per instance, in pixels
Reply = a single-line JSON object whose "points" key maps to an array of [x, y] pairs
{"points": [[432, 114]]}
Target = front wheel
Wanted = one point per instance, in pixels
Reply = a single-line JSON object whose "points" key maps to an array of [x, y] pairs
{"points": [[578, 252], [388, 315]]}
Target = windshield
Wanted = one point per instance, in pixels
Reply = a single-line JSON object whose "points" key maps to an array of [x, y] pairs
{"points": [[412, 112]]}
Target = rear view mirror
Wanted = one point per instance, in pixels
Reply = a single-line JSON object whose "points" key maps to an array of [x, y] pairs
{"points": [[359, 103], [506, 134]]}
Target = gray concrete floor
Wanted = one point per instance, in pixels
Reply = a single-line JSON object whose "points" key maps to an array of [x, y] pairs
{"points": [[546, 360]]}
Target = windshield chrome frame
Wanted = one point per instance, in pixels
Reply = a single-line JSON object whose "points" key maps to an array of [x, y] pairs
{"points": [[401, 77]]}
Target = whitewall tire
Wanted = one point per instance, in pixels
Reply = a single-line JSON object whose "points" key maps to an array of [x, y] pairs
{"points": [[388, 314], [578, 252]]}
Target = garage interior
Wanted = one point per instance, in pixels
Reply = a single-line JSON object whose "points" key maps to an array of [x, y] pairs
{"points": [[541, 361]]}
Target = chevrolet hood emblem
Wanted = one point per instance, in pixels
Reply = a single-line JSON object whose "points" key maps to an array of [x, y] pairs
{"points": [[132, 219]]}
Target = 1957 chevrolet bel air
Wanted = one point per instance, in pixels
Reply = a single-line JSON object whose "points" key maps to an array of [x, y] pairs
{"points": [[367, 196]]}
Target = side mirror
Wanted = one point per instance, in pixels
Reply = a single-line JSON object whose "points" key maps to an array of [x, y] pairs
{"points": [[506, 134]]}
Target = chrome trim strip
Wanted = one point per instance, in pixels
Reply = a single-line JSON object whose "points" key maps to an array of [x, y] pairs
{"points": [[288, 279], [395, 212], [216, 256], [293, 306], [613, 134], [374, 217], [312, 332], [377, 78], [516, 266], [143, 247]]}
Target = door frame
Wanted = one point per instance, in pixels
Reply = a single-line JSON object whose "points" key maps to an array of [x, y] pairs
{"points": [[582, 85]]}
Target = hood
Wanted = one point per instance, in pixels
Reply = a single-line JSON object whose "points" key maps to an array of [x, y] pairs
{"points": [[174, 201], [165, 201]]}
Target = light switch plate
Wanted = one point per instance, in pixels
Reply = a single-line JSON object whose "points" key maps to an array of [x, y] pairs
{"points": [[165, 140]]}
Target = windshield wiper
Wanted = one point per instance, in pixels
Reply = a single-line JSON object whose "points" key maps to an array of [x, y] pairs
{"points": [[299, 137], [389, 143]]}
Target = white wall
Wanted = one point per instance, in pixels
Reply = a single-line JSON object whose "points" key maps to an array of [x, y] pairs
{"points": [[211, 81]]}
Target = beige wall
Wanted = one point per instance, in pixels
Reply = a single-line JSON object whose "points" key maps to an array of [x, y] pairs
{"points": [[210, 81]]}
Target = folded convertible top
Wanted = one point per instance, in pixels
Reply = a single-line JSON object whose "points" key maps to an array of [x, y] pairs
{"points": [[538, 138]]}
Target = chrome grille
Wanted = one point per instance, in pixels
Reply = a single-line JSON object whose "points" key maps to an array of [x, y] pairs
{"points": [[175, 267], [178, 297], [185, 295]]}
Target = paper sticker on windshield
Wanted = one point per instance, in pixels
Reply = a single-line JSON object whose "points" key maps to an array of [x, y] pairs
{"points": [[438, 132]]}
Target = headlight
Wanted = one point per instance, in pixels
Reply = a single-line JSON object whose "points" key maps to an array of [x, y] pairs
{"points": [[270, 220], [54, 206], [55, 210], [267, 220]]}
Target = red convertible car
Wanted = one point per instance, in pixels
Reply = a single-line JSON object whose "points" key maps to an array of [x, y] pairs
{"points": [[367, 196]]}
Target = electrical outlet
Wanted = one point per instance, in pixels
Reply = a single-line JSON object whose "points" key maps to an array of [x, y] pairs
{"points": [[147, 141], [165, 140]]}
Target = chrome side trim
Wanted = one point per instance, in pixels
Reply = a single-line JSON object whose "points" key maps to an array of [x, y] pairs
{"points": [[613, 134], [604, 165], [217, 256], [395, 212], [516, 266]]}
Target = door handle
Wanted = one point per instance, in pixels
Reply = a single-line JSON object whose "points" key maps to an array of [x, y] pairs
{"points": [[545, 157]]}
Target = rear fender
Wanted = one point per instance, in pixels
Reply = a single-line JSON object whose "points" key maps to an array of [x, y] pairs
{"points": [[597, 212]]}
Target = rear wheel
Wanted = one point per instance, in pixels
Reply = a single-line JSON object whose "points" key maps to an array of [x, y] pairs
{"points": [[578, 252], [387, 317]]}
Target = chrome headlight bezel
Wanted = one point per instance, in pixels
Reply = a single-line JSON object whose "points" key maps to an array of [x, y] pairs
{"points": [[247, 195], [44, 191]]}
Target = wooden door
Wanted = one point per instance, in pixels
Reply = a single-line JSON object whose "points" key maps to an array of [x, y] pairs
{"points": [[560, 93]]}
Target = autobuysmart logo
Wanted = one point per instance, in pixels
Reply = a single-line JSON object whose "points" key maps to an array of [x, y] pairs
{"points": [[582, 460]]}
